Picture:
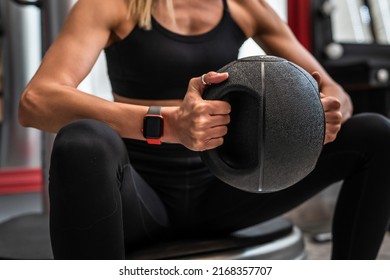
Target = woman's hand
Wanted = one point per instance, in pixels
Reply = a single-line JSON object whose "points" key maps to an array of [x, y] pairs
{"points": [[333, 117], [201, 124], [333, 114]]}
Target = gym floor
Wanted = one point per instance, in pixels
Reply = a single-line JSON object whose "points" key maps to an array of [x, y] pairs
{"points": [[312, 224]]}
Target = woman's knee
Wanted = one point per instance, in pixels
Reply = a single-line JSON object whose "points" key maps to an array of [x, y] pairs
{"points": [[86, 145], [366, 137], [86, 164], [369, 129], [84, 137]]}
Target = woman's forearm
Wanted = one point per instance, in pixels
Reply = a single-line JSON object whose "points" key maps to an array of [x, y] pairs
{"points": [[51, 106]]}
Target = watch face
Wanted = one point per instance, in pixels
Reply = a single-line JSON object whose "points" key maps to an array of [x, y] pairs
{"points": [[153, 127]]}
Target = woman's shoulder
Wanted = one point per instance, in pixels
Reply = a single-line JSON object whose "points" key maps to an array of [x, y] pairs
{"points": [[257, 15], [242, 12], [111, 12], [108, 16]]}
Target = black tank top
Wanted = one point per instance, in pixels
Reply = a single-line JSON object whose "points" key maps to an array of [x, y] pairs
{"points": [[158, 64]]}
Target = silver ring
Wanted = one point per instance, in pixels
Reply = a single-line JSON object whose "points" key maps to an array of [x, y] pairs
{"points": [[203, 81]]}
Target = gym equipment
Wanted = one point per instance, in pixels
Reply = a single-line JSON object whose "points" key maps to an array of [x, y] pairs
{"points": [[361, 68], [277, 126], [276, 239], [22, 54], [380, 11], [27, 238], [351, 21]]}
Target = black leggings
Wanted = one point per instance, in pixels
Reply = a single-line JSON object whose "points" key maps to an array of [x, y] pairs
{"points": [[109, 194]]}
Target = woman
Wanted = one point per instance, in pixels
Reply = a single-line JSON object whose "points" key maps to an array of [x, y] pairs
{"points": [[112, 191]]}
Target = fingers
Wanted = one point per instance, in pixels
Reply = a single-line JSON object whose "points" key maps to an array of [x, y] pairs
{"points": [[316, 75], [203, 80], [203, 124], [333, 117], [212, 78], [333, 125], [197, 85], [206, 139], [330, 103], [207, 126], [210, 138], [217, 107], [200, 83]]}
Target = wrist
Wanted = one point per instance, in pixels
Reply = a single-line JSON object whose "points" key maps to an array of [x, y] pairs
{"points": [[170, 114]]}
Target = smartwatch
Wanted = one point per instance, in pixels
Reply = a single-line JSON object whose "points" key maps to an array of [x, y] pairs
{"points": [[153, 128]]}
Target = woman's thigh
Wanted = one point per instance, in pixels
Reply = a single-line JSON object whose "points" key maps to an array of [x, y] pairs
{"points": [[95, 192]]}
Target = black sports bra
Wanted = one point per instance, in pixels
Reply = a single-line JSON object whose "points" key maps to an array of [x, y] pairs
{"points": [[158, 64]]}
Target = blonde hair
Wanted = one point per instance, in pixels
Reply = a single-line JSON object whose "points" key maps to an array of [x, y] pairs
{"points": [[141, 11]]}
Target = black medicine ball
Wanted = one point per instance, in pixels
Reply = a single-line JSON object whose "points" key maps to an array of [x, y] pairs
{"points": [[277, 126]]}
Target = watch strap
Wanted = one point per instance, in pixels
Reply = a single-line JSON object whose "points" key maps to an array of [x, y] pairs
{"points": [[154, 110], [153, 141]]}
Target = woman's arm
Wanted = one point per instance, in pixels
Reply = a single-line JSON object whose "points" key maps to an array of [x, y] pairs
{"points": [[51, 99]]}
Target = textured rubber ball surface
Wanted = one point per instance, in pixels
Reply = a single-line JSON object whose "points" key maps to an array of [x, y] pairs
{"points": [[277, 126]]}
